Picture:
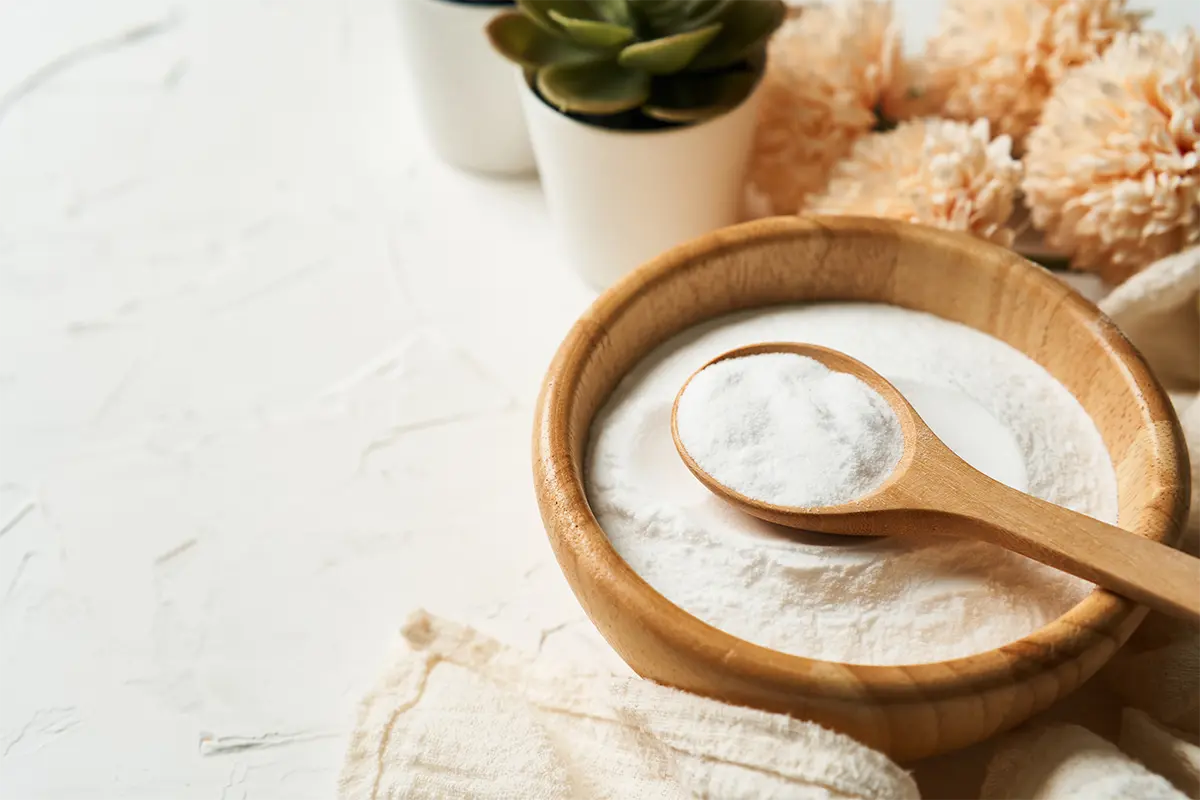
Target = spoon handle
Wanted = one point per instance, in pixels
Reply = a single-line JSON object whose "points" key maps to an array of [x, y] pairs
{"points": [[1153, 574]]}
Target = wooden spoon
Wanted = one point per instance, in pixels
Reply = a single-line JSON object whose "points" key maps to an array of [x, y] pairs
{"points": [[932, 490]]}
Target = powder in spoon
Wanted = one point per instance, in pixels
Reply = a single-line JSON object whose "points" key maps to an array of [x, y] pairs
{"points": [[785, 429]]}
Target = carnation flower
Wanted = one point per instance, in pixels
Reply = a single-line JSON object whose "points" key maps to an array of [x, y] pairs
{"points": [[1113, 169], [1000, 59], [830, 71], [935, 172]]}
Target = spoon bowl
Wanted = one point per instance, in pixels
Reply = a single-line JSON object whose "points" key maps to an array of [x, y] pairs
{"points": [[852, 518], [933, 490]]}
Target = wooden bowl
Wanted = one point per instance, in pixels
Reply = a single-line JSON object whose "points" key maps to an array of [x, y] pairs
{"points": [[908, 712]]}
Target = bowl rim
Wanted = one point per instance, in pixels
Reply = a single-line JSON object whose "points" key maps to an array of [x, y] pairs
{"points": [[578, 539]]}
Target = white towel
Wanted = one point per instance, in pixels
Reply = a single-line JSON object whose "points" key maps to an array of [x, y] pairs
{"points": [[462, 716], [1067, 762], [1171, 753], [1159, 310]]}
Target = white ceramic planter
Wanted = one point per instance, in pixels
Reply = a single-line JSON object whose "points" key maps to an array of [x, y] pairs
{"points": [[620, 198], [470, 108]]}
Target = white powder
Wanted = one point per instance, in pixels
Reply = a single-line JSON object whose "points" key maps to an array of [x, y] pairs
{"points": [[856, 600], [785, 429]]}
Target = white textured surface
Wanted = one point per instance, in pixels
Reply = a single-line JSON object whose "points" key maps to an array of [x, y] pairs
{"points": [[266, 377], [266, 384]]}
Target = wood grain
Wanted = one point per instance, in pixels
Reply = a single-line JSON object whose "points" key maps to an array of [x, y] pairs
{"points": [[933, 490], [907, 711]]}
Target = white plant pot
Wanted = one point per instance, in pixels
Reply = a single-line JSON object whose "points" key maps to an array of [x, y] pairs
{"points": [[620, 198], [464, 89]]}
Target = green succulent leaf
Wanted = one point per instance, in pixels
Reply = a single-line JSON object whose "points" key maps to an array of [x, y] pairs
{"points": [[698, 96], [597, 87], [615, 11], [520, 40], [669, 54], [539, 12], [703, 12], [589, 33], [746, 26], [661, 17], [651, 9], [647, 10]]}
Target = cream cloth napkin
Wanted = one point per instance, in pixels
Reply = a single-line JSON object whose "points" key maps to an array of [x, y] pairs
{"points": [[462, 716]]}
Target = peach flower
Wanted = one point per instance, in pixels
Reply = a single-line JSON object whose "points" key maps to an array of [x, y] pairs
{"points": [[1113, 168], [829, 71], [1000, 59], [935, 172]]}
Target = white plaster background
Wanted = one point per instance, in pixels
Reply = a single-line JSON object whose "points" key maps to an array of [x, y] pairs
{"points": [[267, 372]]}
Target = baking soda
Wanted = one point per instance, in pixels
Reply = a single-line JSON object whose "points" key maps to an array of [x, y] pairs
{"points": [[851, 599], [785, 429]]}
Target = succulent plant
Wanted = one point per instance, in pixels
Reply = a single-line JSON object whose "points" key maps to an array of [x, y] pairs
{"points": [[675, 61]]}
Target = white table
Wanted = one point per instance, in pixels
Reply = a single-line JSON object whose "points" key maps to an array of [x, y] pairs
{"points": [[266, 382]]}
